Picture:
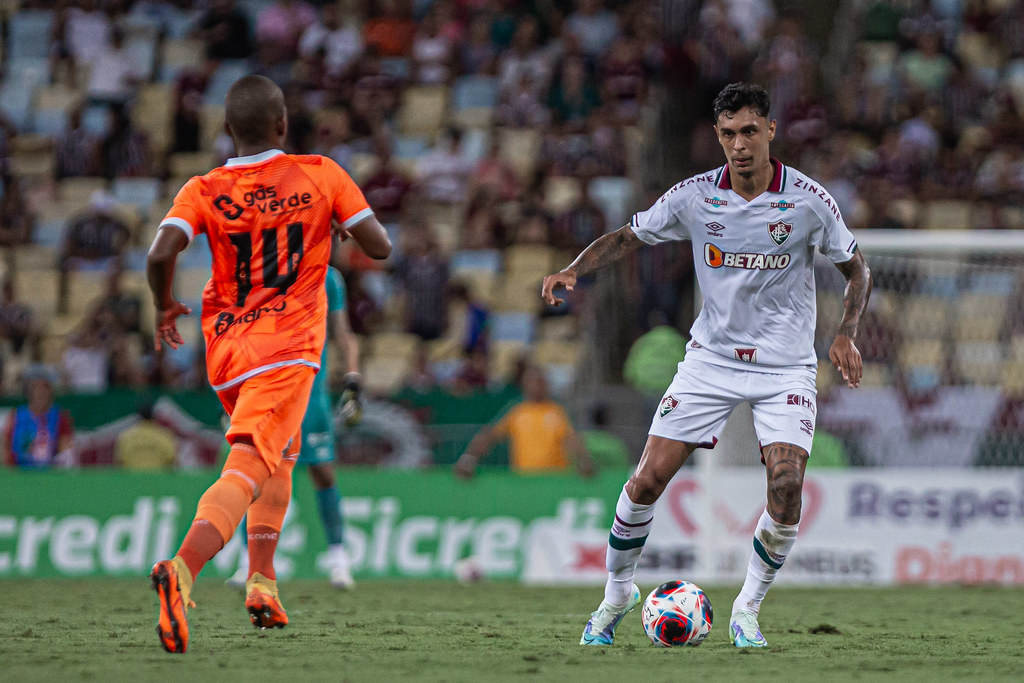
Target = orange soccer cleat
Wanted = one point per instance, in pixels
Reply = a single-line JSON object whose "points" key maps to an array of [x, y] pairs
{"points": [[173, 584], [263, 603]]}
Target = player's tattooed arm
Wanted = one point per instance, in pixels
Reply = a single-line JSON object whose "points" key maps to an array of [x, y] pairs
{"points": [[602, 251], [844, 354]]}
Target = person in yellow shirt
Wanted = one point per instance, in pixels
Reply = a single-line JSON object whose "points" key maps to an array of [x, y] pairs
{"points": [[147, 444], [541, 438]]}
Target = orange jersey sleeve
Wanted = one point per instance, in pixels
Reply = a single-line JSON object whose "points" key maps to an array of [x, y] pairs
{"points": [[268, 221]]}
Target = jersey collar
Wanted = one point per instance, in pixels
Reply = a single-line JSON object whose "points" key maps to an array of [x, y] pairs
{"points": [[253, 158], [778, 184]]}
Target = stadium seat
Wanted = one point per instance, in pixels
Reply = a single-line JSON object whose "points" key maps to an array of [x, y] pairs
{"points": [[558, 328], [1011, 378], [615, 197], [978, 363], [520, 147], [189, 283], [396, 67], [529, 259], [992, 281], [16, 104], [922, 352], [141, 51], [75, 192], [558, 352], [980, 317], [40, 286], [138, 192], [29, 34], [153, 113], [422, 111], [505, 357], [476, 260], [178, 55], [519, 327], [924, 317], [211, 125], [482, 284], [184, 165], [96, 120], [52, 123], [383, 376], [946, 214], [473, 101], [409, 146], [875, 375], [560, 193], [394, 344], [517, 295]]}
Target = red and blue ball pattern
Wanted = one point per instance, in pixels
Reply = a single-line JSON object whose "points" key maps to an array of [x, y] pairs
{"points": [[677, 613]]}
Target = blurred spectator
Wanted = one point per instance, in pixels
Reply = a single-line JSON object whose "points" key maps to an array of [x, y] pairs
{"points": [[624, 78], [422, 272], [541, 437], [39, 433], [925, 68], [17, 326], [421, 377], [653, 358], [85, 363], [390, 31], [477, 317], [432, 52], [522, 107], [225, 30], [147, 444], [126, 151], [524, 62], [573, 96], [388, 187], [341, 43], [477, 54], [497, 174], [474, 373], [444, 171], [96, 234], [87, 31], [189, 87], [114, 72], [593, 26], [281, 25], [77, 149], [579, 225], [301, 124], [15, 220], [483, 227]]}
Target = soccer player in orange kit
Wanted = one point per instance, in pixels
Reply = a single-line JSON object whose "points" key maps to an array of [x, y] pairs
{"points": [[268, 218]]}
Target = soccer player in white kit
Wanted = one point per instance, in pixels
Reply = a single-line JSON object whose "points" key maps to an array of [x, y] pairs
{"points": [[754, 225]]}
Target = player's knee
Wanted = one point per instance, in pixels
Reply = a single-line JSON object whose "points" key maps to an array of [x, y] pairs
{"points": [[644, 488], [784, 492]]}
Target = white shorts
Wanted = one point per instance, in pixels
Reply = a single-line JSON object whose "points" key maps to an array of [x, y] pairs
{"points": [[703, 395]]}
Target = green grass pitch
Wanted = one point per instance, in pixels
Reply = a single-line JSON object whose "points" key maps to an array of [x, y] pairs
{"points": [[104, 630]]}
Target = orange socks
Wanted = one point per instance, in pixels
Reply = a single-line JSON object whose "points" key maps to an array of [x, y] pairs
{"points": [[222, 506], [265, 518]]}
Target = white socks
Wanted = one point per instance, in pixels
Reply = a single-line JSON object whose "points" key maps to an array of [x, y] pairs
{"points": [[625, 543], [772, 543]]}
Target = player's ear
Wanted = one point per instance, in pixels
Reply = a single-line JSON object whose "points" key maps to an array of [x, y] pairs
{"points": [[771, 130], [282, 127]]}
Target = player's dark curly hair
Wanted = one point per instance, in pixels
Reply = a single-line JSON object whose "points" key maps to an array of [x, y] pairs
{"points": [[735, 96]]}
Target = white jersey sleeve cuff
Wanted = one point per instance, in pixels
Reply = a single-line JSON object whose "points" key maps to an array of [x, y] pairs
{"points": [[182, 225], [643, 234], [356, 217]]}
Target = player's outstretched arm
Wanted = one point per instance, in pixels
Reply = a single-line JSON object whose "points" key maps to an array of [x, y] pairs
{"points": [[371, 237], [477, 448], [160, 263], [844, 354], [602, 251]]}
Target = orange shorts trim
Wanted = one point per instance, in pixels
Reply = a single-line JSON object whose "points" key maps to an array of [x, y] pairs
{"points": [[269, 408]]}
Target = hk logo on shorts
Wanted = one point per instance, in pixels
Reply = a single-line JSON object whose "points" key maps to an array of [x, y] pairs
{"points": [[802, 401], [807, 427], [779, 232], [668, 404], [715, 228], [745, 355]]}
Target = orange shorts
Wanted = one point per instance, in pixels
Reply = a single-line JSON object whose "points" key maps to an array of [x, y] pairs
{"points": [[269, 408]]}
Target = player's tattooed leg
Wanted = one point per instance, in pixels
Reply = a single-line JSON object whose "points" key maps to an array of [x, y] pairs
{"points": [[785, 464]]}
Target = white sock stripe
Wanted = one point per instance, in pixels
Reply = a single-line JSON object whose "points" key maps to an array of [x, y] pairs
{"points": [[243, 476], [244, 447]]}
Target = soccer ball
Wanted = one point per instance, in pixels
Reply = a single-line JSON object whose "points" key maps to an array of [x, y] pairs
{"points": [[677, 613]]}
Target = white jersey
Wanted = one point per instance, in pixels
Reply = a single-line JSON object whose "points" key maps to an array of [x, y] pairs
{"points": [[754, 263]]}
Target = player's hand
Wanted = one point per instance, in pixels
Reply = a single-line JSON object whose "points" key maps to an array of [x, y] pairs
{"points": [[167, 327], [351, 406], [465, 467], [587, 467], [565, 278], [846, 358]]}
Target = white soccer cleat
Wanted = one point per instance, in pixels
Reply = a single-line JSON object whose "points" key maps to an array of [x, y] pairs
{"points": [[340, 573], [600, 630], [744, 631]]}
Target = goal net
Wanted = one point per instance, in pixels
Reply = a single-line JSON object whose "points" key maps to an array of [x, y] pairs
{"points": [[943, 349]]}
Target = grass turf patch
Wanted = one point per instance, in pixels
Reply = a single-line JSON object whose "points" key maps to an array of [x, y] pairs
{"points": [[438, 631]]}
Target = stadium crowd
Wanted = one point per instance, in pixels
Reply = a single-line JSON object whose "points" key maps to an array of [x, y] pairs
{"points": [[494, 138]]}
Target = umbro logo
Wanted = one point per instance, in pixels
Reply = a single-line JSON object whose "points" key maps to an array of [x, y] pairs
{"points": [[807, 427], [715, 229]]}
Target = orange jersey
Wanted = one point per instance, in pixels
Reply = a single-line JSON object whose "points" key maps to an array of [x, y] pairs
{"points": [[268, 221]]}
